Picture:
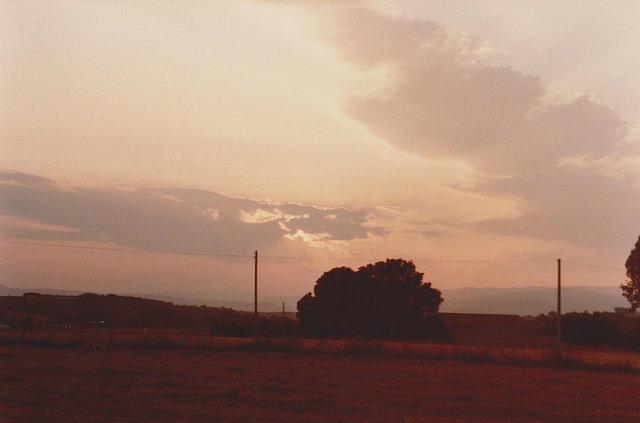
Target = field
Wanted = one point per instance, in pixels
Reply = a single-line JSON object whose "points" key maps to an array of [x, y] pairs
{"points": [[98, 383], [180, 339]]}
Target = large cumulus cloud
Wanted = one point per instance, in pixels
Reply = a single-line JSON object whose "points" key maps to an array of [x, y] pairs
{"points": [[445, 100]]}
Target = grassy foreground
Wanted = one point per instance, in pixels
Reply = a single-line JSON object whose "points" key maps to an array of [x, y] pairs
{"points": [[103, 384], [175, 339]]}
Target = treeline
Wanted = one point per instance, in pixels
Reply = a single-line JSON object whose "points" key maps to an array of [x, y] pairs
{"points": [[597, 329], [133, 312]]}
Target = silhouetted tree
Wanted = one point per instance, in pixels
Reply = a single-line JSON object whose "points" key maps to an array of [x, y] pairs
{"points": [[631, 290], [385, 299], [324, 313]]}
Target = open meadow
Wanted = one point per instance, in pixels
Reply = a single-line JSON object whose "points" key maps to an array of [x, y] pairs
{"points": [[97, 383]]}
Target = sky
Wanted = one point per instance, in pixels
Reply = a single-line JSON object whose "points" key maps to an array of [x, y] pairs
{"points": [[153, 146]]}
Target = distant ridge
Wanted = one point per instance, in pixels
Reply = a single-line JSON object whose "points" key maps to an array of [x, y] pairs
{"points": [[529, 301], [231, 300], [8, 291]]}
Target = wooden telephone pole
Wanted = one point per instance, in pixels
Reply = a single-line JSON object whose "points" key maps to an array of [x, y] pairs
{"points": [[255, 295], [559, 322], [283, 320]]}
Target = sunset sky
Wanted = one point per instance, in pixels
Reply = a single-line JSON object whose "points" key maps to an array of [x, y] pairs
{"points": [[155, 145]]}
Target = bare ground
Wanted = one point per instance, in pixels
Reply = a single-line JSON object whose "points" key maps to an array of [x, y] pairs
{"points": [[102, 384]]}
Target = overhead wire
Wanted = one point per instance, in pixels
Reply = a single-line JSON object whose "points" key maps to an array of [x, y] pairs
{"points": [[597, 266], [276, 257], [129, 250], [132, 250]]}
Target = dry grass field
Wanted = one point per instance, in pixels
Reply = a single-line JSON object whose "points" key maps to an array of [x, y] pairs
{"points": [[96, 383], [178, 339]]}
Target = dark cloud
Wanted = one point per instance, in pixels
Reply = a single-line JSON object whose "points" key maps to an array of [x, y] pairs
{"points": [[573, 205], [7, 176], [171, 220]]}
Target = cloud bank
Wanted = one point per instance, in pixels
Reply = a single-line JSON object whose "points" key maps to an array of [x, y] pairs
{"points": [[562, 161], [166, 220]]}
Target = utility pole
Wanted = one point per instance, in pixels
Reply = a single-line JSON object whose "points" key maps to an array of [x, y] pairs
{"points": [[283, 320], [559, 322], [255, 295]]}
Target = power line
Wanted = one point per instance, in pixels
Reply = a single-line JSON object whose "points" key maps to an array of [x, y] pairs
{"points": [[482, 261], [275, 257], [307, 258], [78, 247], [126, 250], [132, 250], [593, 265], [415, 261]]}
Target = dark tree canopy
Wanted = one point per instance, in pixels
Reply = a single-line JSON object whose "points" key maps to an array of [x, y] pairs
{"points": [[385, 299], [631, 290]]}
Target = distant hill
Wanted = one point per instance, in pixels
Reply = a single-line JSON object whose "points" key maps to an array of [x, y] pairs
{"points": [[6, 290], [114, 311], [266, 304], [531, 300], [227, 299]]}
